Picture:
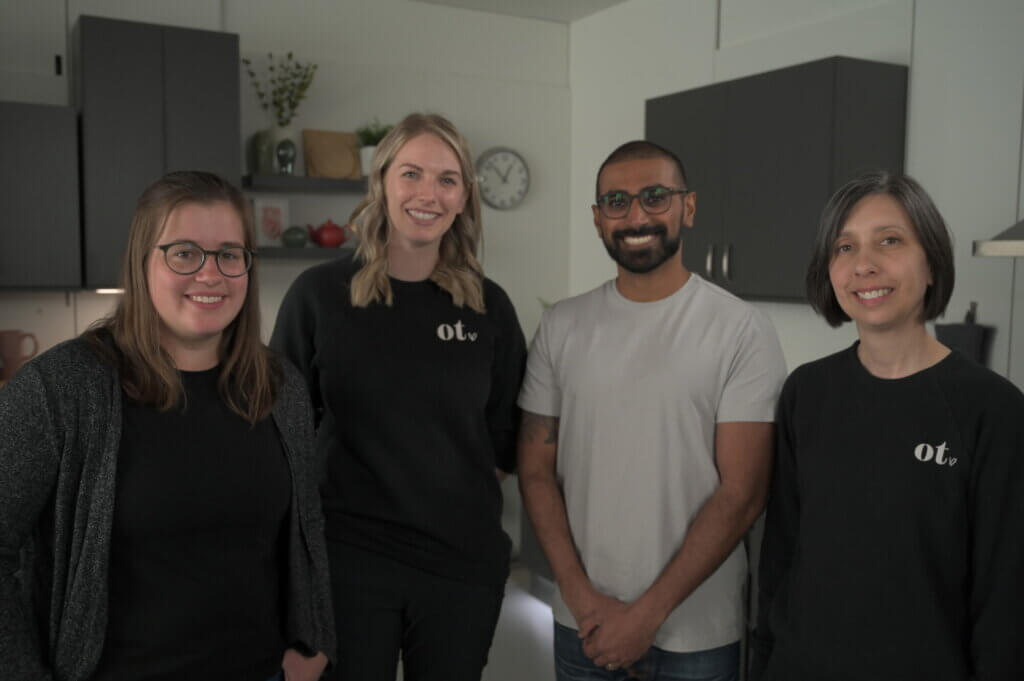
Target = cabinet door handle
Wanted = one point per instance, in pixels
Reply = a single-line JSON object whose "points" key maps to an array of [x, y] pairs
{"points": [[725, 262], [709, 261]]}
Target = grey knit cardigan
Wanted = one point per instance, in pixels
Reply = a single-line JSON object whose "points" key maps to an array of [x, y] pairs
{"points": [[60, 429]]}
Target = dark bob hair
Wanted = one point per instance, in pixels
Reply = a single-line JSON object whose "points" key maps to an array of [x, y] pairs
{"points": [[924, 216]]}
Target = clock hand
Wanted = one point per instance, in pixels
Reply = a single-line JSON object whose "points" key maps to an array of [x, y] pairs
{"points": [[504, 175]]}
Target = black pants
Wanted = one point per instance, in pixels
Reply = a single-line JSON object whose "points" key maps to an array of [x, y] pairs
{"points": [[442, 627]]}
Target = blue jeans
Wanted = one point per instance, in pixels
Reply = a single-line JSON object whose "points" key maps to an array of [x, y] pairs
{"points": [[717, 664]]}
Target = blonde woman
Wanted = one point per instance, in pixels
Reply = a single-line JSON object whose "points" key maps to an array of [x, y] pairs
{"points": [[158, 479], [414, 361]]}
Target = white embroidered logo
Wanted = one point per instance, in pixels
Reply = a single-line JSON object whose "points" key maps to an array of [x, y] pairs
{"points": [[925, 453], [447, 332]]}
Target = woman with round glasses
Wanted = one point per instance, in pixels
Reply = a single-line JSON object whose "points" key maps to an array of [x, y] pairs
{"points": [[158, 509], [414, 360], [893, 545]]}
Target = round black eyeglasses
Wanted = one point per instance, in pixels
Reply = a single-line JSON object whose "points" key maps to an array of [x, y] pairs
{"points": [[654, 200], [186, 257]]}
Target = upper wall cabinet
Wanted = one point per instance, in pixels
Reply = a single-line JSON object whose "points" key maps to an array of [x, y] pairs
{"points": [[39, 236], [153, 99], [764, 153]]}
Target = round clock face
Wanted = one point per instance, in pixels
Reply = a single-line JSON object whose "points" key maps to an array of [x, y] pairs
{"points": [[504, 178]]}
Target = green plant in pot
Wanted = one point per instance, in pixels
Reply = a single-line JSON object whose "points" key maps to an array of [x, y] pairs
{"points": [[370, 136], [280, 90]]}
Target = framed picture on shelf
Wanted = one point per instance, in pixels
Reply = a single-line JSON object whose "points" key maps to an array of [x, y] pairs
{"points": [[271, 218]]}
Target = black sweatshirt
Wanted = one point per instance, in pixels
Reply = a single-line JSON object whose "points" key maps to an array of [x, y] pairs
{"points": [[894, 540], [417, 406]]}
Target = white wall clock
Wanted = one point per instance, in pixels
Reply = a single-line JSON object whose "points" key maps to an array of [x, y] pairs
{"points": [[504, 178]]}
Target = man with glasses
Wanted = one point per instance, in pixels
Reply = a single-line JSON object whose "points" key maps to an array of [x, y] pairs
{"points": [[646, 443]]}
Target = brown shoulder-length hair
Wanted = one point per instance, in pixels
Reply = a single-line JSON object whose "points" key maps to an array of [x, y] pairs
{"points": [[458, 270], [248, 373], [924, 216]]}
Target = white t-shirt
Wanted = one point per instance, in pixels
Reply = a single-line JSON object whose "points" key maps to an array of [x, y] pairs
{"points": [[638, 389]]}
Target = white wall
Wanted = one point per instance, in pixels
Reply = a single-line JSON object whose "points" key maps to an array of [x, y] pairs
{"points": [[964, 114], [617, 59], [966, 90], [502, 80]]}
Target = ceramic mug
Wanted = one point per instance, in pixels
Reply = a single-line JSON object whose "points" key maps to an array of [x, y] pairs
{"points": [[12, 343]]}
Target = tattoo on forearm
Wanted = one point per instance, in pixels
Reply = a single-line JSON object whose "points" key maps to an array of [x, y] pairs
{"points": [[537, 426]]}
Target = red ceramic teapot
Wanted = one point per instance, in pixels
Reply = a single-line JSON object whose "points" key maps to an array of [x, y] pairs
{"points": [[327, 235]]}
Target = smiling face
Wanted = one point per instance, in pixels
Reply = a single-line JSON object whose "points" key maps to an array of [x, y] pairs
{"points": [[425, 191], [638, 242], [194, 309], [879, 271]]}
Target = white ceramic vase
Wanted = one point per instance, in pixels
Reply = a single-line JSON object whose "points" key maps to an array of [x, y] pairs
{"points": [[366, 159]]}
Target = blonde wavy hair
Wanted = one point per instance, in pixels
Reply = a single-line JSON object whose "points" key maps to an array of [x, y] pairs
{"points": [[458, 270], [248, 372]]}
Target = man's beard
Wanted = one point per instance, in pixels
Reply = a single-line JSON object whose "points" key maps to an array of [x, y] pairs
{"points": [[641, 261]]}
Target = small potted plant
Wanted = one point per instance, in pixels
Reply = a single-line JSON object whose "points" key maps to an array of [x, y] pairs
{"points": [[283, 89], [370, 136]]}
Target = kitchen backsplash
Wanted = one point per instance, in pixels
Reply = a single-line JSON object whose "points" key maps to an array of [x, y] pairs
{"points": [[53, 316]]}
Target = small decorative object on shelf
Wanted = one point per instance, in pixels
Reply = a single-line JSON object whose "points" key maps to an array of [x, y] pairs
{"points": [[271, 217], [295, 236], [370, 136], [287, 81], [285, 153], [331, 154], [328, 235]]}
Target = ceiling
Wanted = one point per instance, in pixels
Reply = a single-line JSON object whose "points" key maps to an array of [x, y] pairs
{"points": [[564, 11]]}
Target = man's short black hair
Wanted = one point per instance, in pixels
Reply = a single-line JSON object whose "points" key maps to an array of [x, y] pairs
{"points": [[639, 149], [924, 217]]}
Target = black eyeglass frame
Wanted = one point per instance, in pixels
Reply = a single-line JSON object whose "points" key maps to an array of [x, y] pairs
{"points": [[602, 200], [216, 257]]}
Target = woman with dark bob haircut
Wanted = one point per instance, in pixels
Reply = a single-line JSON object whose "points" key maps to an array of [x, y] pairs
{"points": [[892, 545], [159, 516]]}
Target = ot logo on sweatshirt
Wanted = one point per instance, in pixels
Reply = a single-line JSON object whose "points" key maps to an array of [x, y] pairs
{"points": [[447, 332], [925, 453]]}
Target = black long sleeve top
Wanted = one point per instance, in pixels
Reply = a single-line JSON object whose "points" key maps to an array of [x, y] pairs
{"points": [[893, 542], [417, 408]]}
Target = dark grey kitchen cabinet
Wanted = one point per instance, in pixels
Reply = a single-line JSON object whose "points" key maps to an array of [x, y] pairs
{"points": [[765, 152], [202, 115], [153, 99], [698, 138], [39, 227]]}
